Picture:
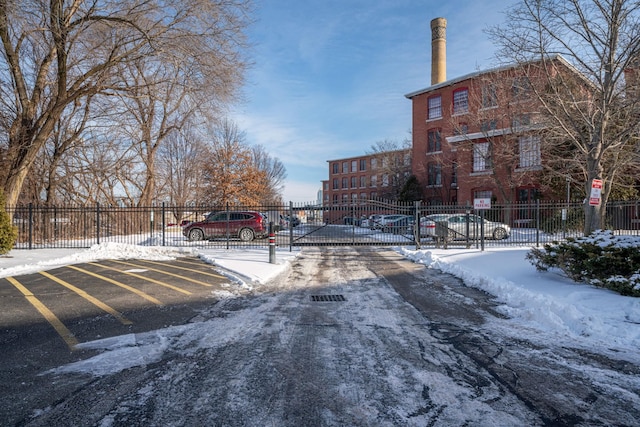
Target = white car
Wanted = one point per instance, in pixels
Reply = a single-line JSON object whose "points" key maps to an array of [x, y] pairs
{"points": [[457, 226]]}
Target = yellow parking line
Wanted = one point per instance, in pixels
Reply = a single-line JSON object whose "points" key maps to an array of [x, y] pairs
{"points": [[89, 298], [188, 269], [122, 285], [62, 330], [148, 279], [165, 272]]}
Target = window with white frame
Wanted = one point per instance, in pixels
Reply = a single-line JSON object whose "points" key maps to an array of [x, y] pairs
{"points": [[529, 151], [435, 107], [374, 181], [363, 181], [345, 167], [481, 157], [385, 180], [374, 163], [461, 101], [363, 164], [354, 166]]}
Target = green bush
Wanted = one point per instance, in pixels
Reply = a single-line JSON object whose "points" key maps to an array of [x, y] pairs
{"points": [[8, 232], [602, 260]]}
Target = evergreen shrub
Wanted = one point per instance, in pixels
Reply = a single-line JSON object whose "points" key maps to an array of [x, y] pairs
{"points": [[601, 259]]}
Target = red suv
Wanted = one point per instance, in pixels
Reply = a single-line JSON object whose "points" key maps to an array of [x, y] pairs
{"points": [[245, 225]]}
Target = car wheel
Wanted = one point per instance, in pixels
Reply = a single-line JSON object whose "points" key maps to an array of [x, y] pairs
{"points": [[500, 233], [196, 234], [246, 235]]}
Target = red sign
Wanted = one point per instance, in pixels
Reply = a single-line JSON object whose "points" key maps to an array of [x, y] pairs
{"points": [[596, 192]]}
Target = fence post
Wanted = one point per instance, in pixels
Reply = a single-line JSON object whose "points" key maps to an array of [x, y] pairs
{"points": [[272, 244], [163, 225], [537, 223], [416, 222], [98, 222], [290, 226], [30, 225]]}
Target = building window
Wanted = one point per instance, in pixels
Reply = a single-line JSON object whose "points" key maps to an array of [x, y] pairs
{"points": [[363, 196], [385, 180], [434, 177], [335, 198], [345, 198], [528, 194], [374, 181], [363, 165], [520, 89], [529, 151], [454, 174], [482, 194], [520, 120], [354, 197], [487, 125], [363, 181], [407, 159], [489, 95], [345, 167], [461, 101], [434, 141], [336, 167], [336, 183], [325, 185], [354, 166], [374, 164], [354, 181], [345, 183], [481, 157], [435, 107], [461, 129], [374, 194]]}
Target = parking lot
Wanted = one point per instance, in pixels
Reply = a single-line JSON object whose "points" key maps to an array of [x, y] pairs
{"points": [[84, 302], [45, 315]]}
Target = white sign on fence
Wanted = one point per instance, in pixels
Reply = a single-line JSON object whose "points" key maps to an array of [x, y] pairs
{"points": [[481, 204]]}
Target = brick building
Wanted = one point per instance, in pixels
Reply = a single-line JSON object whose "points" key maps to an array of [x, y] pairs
{"points": [[474, 136], [372, 176]]}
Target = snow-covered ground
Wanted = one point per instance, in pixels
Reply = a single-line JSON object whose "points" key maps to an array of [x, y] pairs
{"points": [[547, 301]]}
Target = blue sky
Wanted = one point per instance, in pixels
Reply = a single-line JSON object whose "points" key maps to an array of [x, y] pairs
{"points": [[329, 76]]}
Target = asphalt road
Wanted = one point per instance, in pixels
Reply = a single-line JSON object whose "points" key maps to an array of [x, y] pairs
{"points": [[44, 316], [349, 336]]}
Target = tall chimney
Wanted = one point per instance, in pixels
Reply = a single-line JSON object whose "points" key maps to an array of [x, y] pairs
{"points": [[438, 50]]}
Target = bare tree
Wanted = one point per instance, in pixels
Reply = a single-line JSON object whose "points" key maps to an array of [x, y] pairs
{"points": [[181, 163], [394, 165], [58, 53], [591, 110], [274, 171]]}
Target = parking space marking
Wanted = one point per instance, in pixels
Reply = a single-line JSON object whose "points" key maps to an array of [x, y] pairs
{"points": [[206, 273], [122, 285], [198, 282], [62, 330], [89, 298], [148, 279]]}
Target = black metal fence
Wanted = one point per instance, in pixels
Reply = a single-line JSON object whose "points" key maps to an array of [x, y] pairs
{"points": [[357, 223]]}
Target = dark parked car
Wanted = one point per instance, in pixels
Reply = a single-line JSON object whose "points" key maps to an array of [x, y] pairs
{"points": [[245, 225]]}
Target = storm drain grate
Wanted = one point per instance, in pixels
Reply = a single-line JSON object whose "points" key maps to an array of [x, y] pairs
{"points": [[322, 298]]}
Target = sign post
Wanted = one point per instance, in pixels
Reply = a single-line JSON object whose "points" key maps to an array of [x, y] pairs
{"points": [[482, 205]]}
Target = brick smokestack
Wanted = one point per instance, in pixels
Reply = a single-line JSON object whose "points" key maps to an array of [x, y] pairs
{"points": [[438, 50]]}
